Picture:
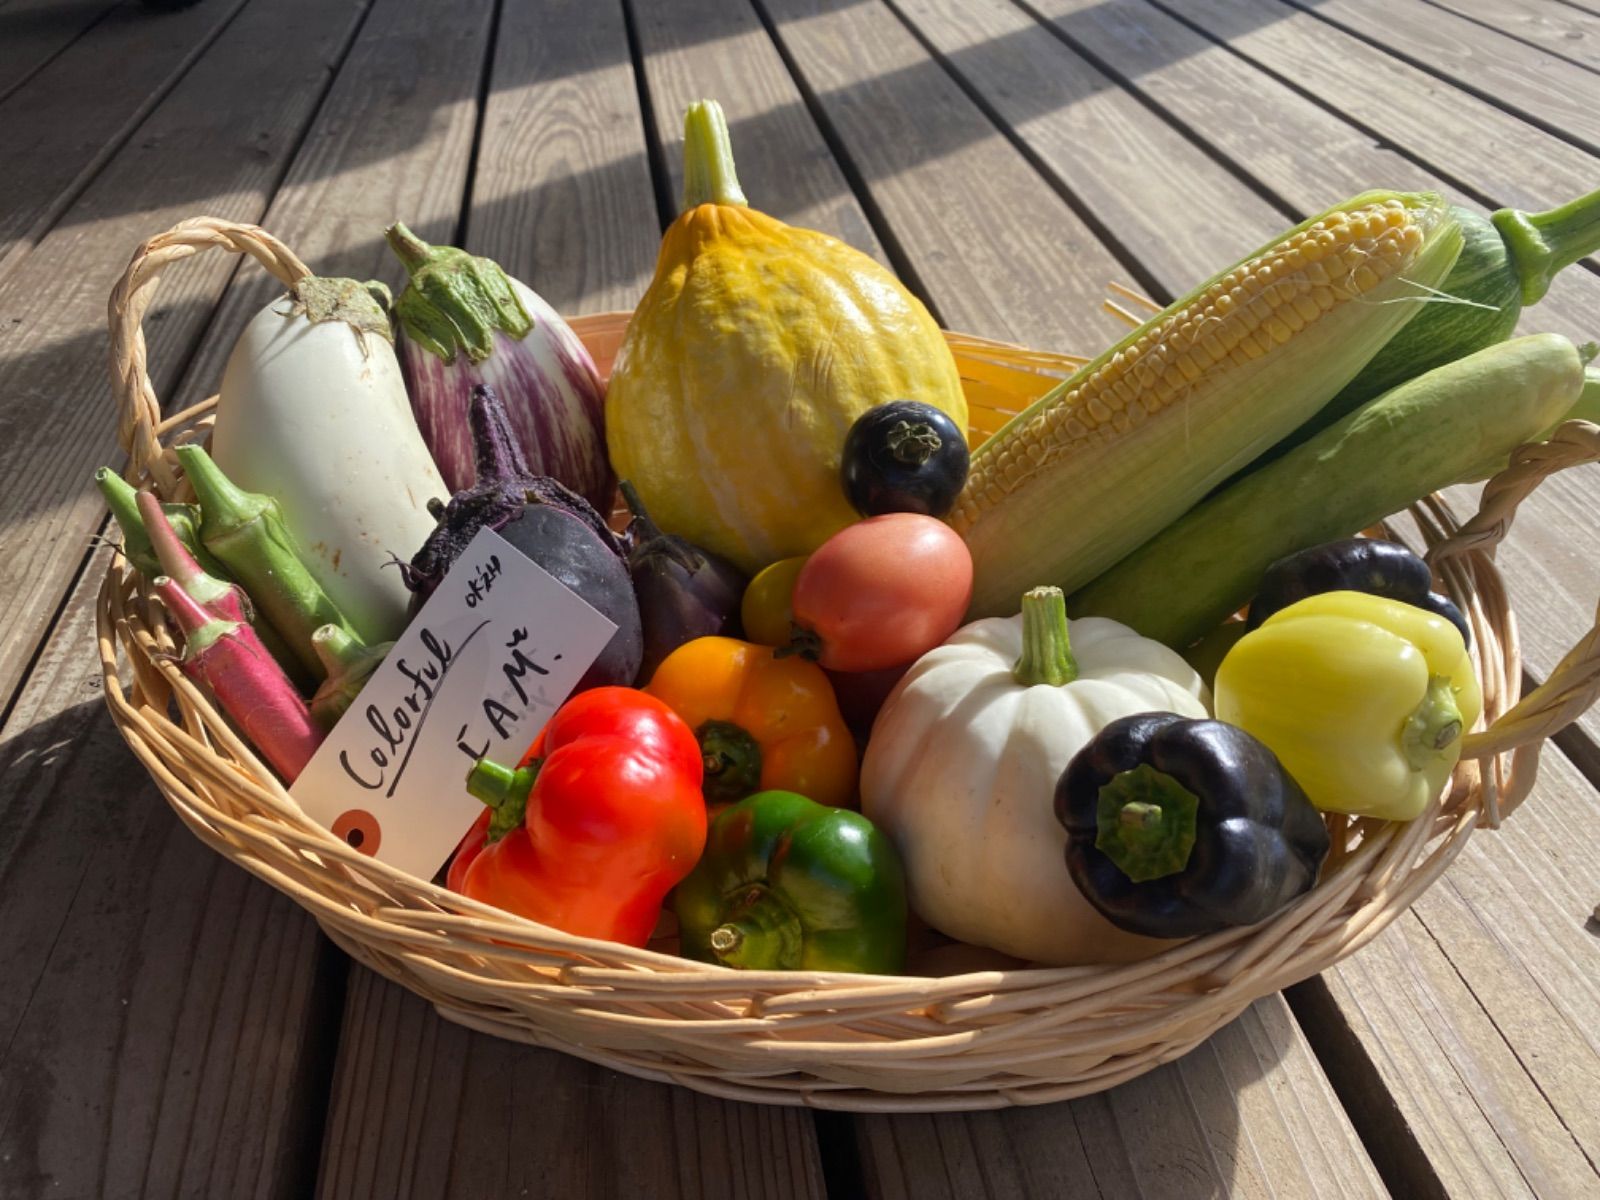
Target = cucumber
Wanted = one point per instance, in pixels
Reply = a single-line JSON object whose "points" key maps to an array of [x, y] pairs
{"points": [[1424, 435], [1507, 261]]}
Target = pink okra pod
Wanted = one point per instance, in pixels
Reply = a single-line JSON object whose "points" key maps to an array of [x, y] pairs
{"points": [[226, 657]]}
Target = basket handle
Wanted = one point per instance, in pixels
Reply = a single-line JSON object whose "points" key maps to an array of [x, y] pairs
{"points": [[138, 410], [1575, 683]]}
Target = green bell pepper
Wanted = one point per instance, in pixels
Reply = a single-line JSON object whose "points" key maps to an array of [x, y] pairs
{"points": [[789, 884]]}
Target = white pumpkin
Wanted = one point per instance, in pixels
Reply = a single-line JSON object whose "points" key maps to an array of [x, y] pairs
{"points": [[962, 765]]}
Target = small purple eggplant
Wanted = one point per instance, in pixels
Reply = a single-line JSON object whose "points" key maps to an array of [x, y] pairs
{"points": [[463, 322], [684, 592], [550, 523]]}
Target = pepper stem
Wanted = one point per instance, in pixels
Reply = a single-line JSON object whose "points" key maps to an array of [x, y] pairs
{"points": [[708, 174], [455, 300], [1046, 650], [1434, 726], [1540, 245], [1146, 823], [504, 790], [760, 933], [732, 762]]}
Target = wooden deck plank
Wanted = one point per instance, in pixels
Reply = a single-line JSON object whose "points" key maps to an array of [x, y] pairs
{"points": [[1476, 1015], [32, 32], [1452, 132], [1247, 1114], [1507, 73], [1135, 174], [218, 145], [392, 141], [426, 1109], [1296, 149], [563, 198], [64, 123], [163, 1021], [563, 154], [1552, 25], [1026, 268]]}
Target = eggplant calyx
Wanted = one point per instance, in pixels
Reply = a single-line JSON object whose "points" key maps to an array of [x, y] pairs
{"points": [[362, 306], [455, 301], [649, 542]]}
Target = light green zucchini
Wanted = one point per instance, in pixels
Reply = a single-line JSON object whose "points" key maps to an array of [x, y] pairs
{"points": [[1429, 433]]}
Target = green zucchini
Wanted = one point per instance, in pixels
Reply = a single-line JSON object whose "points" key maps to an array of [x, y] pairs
{"points": [[1426, 434], [1506, 261]]}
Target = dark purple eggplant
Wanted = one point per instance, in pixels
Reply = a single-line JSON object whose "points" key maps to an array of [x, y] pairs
{"points": [[547, 521], [684, 592]]}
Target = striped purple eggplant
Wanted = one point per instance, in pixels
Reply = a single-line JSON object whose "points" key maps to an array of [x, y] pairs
{"points": [[465, 322]]}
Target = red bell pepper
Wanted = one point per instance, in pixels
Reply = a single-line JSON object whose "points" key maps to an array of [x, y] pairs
{"points": [[599, 821]]}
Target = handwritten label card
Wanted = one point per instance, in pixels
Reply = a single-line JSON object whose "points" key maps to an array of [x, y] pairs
{"points": [[479, 670]]}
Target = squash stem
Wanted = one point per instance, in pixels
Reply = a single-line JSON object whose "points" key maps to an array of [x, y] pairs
{"points": [[708, 174], [1540, 245], [1046, 651]]}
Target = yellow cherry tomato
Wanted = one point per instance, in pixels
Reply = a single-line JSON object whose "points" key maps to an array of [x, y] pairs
{"points": [[765, 611]]}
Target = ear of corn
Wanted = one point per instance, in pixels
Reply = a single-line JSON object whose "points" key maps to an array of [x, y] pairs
{"points": [[1114, 454]]}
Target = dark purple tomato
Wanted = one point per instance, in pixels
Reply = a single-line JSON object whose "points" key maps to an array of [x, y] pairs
{"points": [[904, 456]]}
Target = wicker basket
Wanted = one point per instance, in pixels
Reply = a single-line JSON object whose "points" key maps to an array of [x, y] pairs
{"points": [[980, 1039]]}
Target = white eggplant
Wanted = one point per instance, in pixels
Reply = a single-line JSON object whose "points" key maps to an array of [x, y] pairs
{"points": [[313, 412], [465, 322]]}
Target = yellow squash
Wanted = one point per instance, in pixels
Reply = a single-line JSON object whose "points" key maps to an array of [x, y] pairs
{"points": [[755, 348]]}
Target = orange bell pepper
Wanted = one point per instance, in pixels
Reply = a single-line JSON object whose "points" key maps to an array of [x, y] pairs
{"points": [[764, 723]]}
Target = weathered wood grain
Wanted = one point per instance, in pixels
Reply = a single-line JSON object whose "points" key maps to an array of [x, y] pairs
{"points": [[1552, 25], [1247, 1114], [563, 154], [164, 1027], [218, 145], [422, 1108], [1522, 79], [708, 49], [998, 251], [392, 141], [32, 32], [1450, 131], [1297, 150], [1150, 188], [64, 123], [1469, 1029]]}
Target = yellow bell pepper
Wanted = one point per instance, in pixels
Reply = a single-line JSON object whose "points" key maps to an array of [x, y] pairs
{"points": [[1364, 700]]}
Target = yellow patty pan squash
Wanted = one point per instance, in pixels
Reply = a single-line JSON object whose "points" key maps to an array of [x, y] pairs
{"points": [[755, 348]]}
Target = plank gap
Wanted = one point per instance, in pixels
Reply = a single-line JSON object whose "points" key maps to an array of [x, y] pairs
{"points": [[840, 1149], [1444, 76], [655, 147], [1512, 34], [1477, 195], [899, 260], [1398, 1156], [458, 236], [1140, 274], [106, 10]]}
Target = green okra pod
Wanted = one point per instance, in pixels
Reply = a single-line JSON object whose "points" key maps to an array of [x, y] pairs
{"points": [[247, 532]]}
